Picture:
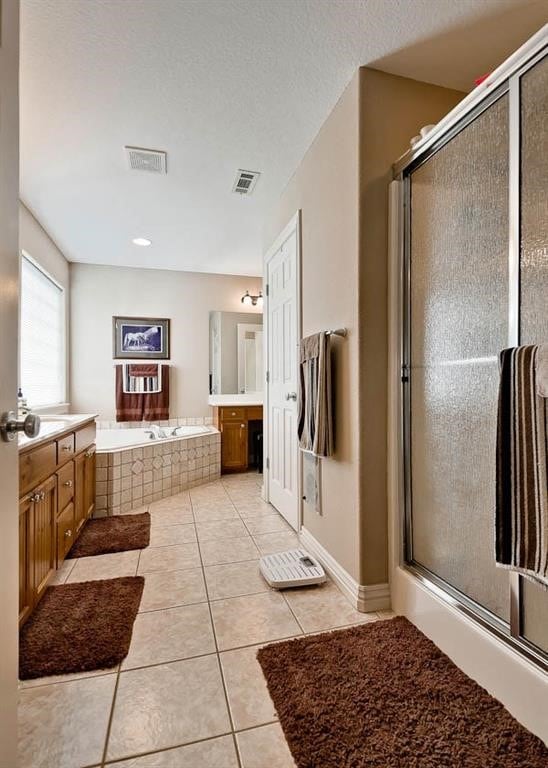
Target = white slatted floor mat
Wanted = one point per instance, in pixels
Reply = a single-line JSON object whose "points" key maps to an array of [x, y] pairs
{"points": [[294, 568]]}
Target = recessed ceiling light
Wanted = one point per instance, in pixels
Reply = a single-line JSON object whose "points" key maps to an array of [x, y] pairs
{"points": [[141, 241]]}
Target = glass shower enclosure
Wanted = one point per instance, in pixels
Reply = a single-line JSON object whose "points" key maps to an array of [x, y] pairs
{"points": [[474, 274]]}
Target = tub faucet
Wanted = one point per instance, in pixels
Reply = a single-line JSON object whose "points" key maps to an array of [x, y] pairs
{"points": [[155, 432]]}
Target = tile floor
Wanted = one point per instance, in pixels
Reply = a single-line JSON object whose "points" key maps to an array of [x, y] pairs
{"points": [[190, 693]]}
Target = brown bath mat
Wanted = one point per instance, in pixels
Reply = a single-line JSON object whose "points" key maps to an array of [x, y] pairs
{"points": [[382, 695], [118, 533], [80, 627]]}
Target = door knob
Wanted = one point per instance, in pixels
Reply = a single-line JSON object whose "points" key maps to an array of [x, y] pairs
{"points": [[10, 426], [291, 396]]}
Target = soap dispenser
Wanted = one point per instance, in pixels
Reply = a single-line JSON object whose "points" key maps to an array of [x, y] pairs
{"points": [[22, 408]]}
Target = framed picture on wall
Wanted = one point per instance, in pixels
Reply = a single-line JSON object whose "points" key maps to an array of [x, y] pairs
{"points": [[140, 338]]}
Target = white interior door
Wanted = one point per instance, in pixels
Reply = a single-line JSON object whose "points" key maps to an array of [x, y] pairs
{"points": [[282, 276], [9, 312]]}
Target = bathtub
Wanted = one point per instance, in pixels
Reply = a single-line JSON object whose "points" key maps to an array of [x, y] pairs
{"points": [[134, 470], [117, 439]]}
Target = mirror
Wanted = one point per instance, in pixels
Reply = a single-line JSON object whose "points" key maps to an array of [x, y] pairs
{"points": [[235, 353]]}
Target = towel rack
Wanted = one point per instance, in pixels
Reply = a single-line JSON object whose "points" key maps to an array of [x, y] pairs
{"points": [[337, 332]]}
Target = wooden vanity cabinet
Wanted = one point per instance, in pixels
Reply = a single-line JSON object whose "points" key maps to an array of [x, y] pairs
{"points": [[37, 556], [44, 559], [64, 532], [84, 499], [57, 486], [233, 446], [25, 558], [233, 424]]}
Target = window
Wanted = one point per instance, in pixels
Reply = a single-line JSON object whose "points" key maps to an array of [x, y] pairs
{"points": [[42, 337]]}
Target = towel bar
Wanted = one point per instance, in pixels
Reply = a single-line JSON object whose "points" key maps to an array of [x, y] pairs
{"points": [[337, 332]]}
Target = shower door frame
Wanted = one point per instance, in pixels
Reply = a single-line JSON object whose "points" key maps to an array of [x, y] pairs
{"points": [[505, 80]]}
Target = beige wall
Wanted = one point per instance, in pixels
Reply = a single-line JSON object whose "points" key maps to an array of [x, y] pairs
{"points": [[341, 187], [98, 293], [325, 188], [392, 110], [36, 243]]}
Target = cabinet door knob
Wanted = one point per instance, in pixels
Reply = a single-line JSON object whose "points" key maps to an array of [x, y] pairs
{"points": [[68, 533], [68, 483], [67, 448]]}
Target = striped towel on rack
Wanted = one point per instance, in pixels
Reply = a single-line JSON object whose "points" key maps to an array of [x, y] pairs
{"points": [[521, 522], [144, 405], [142, 378]]}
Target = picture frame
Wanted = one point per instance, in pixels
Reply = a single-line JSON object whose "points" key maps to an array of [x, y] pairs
{"points": [[140, 338]]}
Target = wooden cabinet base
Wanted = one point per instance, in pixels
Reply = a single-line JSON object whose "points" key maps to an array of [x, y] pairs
{"points": [[65, 533], [233, 424], [52, 509]]}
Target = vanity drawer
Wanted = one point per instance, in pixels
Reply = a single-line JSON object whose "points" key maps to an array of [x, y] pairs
{"points": [[65, 448], [35, 466], [65, 532], [232, 414], [255, 412], [65, 484], [85, 437]]}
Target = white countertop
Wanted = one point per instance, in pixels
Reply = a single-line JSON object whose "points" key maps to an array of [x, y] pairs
{"points": [[54, 424], [251, 398]]}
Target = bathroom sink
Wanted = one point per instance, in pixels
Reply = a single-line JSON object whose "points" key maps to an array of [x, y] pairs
{"points": [[46, 428], [52, 423]]}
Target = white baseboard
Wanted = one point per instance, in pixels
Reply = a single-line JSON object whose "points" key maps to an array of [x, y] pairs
{"points": [[364, 597]]}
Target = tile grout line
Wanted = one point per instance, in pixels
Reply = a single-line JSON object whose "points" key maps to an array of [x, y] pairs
{"points": [[117, 683], [282, 592], [137, 755], [220, 666], [118, 671]]}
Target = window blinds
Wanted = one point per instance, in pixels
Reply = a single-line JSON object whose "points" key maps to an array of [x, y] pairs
{"points": [[42, 332]]}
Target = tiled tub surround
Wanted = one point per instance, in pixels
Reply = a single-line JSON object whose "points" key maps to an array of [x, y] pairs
{"points": [[129, 478], [181, 421]]}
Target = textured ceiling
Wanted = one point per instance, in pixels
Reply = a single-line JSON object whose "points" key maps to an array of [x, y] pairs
{"points": [[219, 85]]}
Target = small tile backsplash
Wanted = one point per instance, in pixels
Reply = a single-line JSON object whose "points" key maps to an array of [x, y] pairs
{"points": [[132, 477], [186, 421]]}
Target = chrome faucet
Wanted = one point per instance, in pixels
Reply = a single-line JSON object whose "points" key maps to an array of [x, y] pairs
{"points": [[155, 432]]}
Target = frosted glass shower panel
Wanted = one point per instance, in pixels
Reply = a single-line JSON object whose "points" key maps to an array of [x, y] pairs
{"points": [[534, 273], [458, 325]]}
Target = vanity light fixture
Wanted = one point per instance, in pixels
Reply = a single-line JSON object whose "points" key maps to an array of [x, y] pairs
{"points": [[141, 241], [252, 301]]}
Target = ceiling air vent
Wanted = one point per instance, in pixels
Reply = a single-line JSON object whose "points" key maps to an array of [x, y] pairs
{"points": [[245, 182], [152, 160]]}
